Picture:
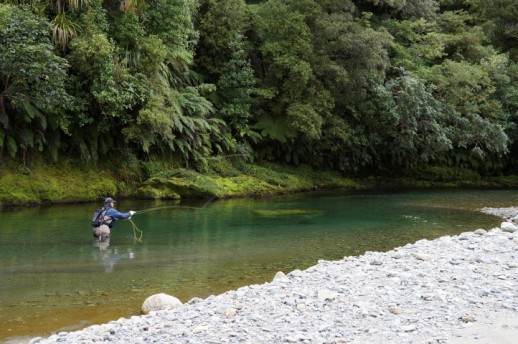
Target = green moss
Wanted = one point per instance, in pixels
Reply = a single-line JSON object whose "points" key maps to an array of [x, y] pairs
{"points": [[507, 181], [242, 186], [448, 174], [222, 178], [222, 167], [157, 168], [200, 186], [149, 192], [46, 183], [16, 190], [177, 186], [300, 178]]}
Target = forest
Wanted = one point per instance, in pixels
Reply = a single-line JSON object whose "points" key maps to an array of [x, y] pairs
{"points": [[365, 87]]}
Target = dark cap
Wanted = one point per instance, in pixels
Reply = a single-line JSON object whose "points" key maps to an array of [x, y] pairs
{"points": [[109, 200]]}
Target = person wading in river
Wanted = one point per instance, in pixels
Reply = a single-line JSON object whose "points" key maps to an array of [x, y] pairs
{"points": [[102, 231]]}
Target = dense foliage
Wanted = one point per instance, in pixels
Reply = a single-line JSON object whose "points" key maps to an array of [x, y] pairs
{"points": [[361, 86]]}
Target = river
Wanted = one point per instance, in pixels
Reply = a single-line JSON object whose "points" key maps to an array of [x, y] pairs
{"points": [[55, 277]]}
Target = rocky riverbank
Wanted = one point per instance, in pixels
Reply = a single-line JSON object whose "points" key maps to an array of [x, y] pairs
{"points": [[458, 289]]}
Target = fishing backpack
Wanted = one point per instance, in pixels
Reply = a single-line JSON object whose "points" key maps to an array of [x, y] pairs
{"points": [[98, 217]]}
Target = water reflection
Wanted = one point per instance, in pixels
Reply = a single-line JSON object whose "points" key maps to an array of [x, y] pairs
{"points": [[109, 256]]}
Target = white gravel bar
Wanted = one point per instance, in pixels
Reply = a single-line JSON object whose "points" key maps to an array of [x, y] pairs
{"points": [[461, 289]]}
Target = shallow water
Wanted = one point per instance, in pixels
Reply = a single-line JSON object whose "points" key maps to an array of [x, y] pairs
{"points": [[55, 277]]}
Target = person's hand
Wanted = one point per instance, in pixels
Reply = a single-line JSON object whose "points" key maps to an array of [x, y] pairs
{"points": [[131, 212]]}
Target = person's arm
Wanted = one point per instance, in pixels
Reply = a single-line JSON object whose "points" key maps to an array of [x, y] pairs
{"points": [[115, 214]]}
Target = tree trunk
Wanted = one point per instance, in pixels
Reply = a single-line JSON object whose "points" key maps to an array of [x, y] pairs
{"points": [[4, 119]]}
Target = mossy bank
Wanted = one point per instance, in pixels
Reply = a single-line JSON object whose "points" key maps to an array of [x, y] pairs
{"points": [[70, 181]]}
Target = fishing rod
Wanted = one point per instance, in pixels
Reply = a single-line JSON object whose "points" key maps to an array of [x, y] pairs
{"points": [[174, 206], [166, 207], [137, 230]]}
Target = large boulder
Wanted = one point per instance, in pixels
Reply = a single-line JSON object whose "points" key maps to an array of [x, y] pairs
{"points": [[160, 302]]}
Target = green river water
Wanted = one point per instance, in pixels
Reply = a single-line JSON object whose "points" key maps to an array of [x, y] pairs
{"points": [[55, 277]]}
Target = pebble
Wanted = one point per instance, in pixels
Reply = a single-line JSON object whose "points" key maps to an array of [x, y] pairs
{"points": [[231, 312], [413, 294]]}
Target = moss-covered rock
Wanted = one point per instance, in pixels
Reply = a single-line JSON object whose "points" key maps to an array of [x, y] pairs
{"points": [[242, 185], [156, 192], [224, 180], [172, 188], [201, 186]]}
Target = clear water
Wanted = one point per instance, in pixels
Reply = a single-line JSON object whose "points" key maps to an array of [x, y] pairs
{"points": [[55, 277]]}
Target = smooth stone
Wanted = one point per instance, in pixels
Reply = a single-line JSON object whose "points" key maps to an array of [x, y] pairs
{"points": [[230, 313], [508, 227], [200, 329], [160, 302], [280, 276], [480, 231], [326, 294]]}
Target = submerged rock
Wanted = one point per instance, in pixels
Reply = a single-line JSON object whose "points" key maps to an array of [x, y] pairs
{"points": [[285, 212]]}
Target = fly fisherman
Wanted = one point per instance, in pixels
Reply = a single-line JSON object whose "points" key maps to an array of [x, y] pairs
{"points": [[109, 216]]}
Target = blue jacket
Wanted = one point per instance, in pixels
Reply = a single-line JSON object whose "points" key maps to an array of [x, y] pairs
{"points": [[115, 214]]}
